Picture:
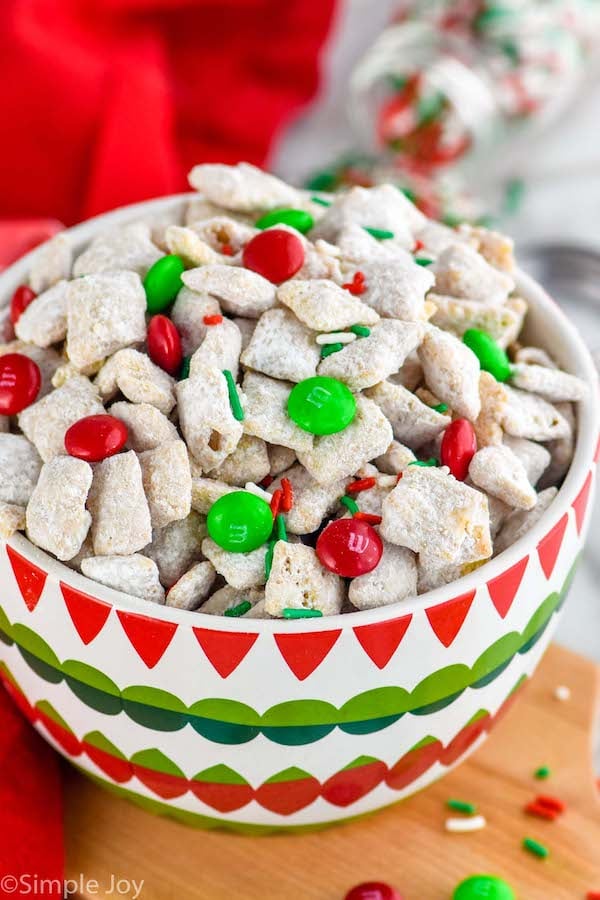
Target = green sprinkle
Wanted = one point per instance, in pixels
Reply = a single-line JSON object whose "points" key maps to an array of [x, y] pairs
{"points": [[380, 233], [238, 610], [429, 108], [432, 461], [234, 400], [269, 558], [349, 503], [461, 806], [321, 201], [441, 408], [397, 82], [452, 219], [490, 15], [322, 181], [408, 193], [185, 368], [328, 349], [542, 772], [423, 260], [301, 613], [514, 192], [280, 528], [360, 330], [536, 848]]}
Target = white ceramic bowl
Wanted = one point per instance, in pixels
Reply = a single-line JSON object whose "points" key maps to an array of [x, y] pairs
{"points": [[259, 725]]}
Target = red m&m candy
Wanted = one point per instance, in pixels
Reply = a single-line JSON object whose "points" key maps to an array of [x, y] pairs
{"points": [[459, 445], [20, 382], [275, 254], [349, 547], [164, 344], [21, 299], [373, 890], [96, 437]]}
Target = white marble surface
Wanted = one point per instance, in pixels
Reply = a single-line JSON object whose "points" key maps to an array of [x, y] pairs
{"points": [[561, 203]]}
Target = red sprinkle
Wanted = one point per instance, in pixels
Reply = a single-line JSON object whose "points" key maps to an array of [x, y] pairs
{"points": [[418, 246], [459, 446], [357, 286], [164, 344], [371, 518], [227, 250], [363, 484], [94, 438], [276, 501], [212, 320], [550, 802], [542, 812], [275, 254], [20, 382], [21, 299], [267, 480], [399, 478], [287, 500]]}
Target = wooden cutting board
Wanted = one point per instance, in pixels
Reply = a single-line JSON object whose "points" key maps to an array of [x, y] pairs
{"points": [[405, 845]]}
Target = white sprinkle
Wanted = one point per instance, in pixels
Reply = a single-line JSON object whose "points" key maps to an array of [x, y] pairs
{"points": [[562, 692], [472, 823], [337, 337], [255, 489]]}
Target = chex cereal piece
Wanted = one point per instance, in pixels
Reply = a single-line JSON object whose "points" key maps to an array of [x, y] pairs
{"points": [[371, 501], [52, 263], [85, 551], [229, 598], [199, 208], [499, 512], [147, 427], [206, 491], [312, 501], [299, 581], [167, 482], [396, 288], [47, 360], [205, 417], [57, 518], [335, 456], [383, 207], [496, 248], [413, 423], [12, 518], [258, 610], [529, 416], [522, 520], [534, 356], [434, 238], [501, 473], [138, 378], [46, 421], [105, 313], [44, 321], [395, 459], [535, 457], [321, 260], [503, 323], [190, 247], [177, 547], [248, 462], [188, 313], [561, 450], [240, 570], [393, 579], [494, 398], [220, 349], [135, 575], [239, 291], [282, 347], [120, 512], [432, 513], [357, 246], [451, 371], [324, 306], [552, 384], [410, 374], [242, 187], [281, 458], [223, 231], [20, 467], [461, 272], [371, 359], [158, 222], [128, 248], [247, 328], [192, 589], [266, 415]]}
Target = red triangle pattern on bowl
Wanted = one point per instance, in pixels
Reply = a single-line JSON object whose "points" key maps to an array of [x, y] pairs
{"points": [[30, 579], [549, 546], [447, 619], [503, 589], [581, 501], [88, 614], [149, 637], [304, 652], [380, 640], [225, 650]]}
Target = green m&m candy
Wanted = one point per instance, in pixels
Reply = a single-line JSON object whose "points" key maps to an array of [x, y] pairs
{"points": [[321, 405], [484, 887], [163, 282], [240, 522], [491, 356], [295, 218]]}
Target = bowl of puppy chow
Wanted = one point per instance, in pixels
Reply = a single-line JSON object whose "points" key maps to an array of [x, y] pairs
{"points": [[292, 490]]}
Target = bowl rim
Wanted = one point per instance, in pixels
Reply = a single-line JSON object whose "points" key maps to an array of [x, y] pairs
{"points": [[585, 449]]}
